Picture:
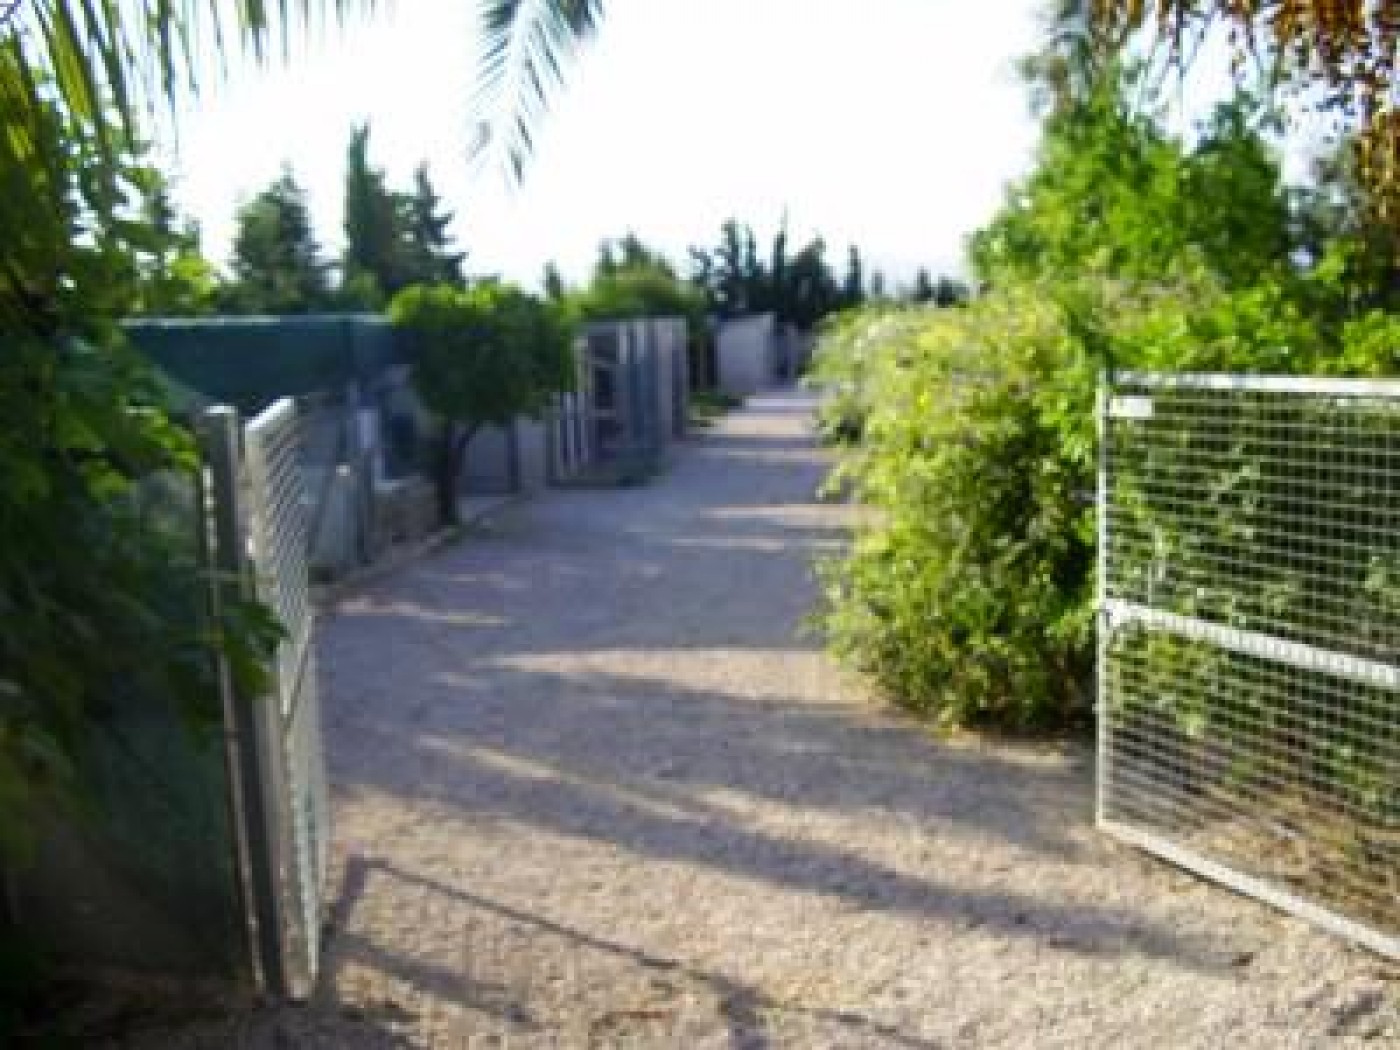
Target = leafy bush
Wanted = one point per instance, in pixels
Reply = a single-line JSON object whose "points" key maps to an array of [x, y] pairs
{"points": [[966, 596], [850, 346], [968, 592], [970, 433], [97, 598]]}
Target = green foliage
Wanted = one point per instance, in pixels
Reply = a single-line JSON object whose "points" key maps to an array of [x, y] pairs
{"points": [[373, 263], [799, 288], [1111, 193], [631, 289], [853, 285], [554, 288], [392, 239], [277, 265], [521, 65], [174, 278], [631, 280], [969, 433], [431, 258], [100, 598], [100, 595], [946, 291], [729, 274], [483, 356], [966, 595]]}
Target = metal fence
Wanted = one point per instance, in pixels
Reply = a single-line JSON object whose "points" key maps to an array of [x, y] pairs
{"points": [[337, 455], [364, 454], [1250, 637], [569, 450], [259, 517]]}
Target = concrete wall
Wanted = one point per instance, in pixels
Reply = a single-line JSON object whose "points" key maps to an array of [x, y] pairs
{"points": [[405, 509], [333, 504], [489, 463], [506, 460], [747, 353], [532, 444], [660, 346], [669, 337]]}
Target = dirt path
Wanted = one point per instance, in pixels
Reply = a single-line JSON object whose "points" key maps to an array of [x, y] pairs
{"points": [[594, 789]]}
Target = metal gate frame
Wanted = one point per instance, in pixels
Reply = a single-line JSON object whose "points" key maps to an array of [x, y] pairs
{"points": [[258, 526], [1287, 656]]}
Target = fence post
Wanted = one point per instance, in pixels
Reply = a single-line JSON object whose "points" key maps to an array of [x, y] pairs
{"points": [[554, 429], [365, 458], [246, 716], [1103, 625]]}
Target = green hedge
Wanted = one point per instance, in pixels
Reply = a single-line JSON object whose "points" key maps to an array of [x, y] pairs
{"points": [[968, 591]]}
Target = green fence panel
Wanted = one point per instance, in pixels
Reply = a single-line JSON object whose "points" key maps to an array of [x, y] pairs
{"points": [[249, 362]]}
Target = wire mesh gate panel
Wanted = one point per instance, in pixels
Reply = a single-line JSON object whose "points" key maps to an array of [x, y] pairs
{"points": [[1249, 637], [278, 525], [259, 519]]}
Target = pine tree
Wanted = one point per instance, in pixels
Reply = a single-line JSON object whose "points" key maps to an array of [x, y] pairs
{"points": [[775, 287], [277, 266], [730, 290], [376, 220], [174, 278], [950, 292], [554, 288], [853, 287], [923, 291], [431, 259]]}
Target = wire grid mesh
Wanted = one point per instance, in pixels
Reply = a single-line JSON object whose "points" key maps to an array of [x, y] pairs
{"points": [[1250, 640], [280, 523]]}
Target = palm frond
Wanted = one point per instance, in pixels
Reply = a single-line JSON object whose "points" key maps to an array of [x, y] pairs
{"points": [[109, 62], [524, 46]]}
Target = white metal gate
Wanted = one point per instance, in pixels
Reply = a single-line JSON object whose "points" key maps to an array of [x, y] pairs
{"points": [[260, 518], [1249, 637]]}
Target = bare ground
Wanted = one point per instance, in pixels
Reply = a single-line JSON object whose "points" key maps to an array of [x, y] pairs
{"points": [[594, 788]]}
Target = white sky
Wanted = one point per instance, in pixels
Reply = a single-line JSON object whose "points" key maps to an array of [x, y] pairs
{"points": [[893, 124]]}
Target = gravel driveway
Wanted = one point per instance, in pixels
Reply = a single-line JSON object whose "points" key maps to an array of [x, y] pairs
{"points": [[595, 788]]}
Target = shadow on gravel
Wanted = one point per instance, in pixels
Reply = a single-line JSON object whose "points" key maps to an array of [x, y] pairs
{"points": [[553, 761], [742, 1005], [489, 681], [637, 584]]}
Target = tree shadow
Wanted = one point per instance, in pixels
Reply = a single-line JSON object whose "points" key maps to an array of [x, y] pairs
{"points": [[617, 667], [543, 750], [741, 1005]]}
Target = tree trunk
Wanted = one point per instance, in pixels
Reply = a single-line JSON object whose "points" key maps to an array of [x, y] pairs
{"points": [[451, 451]]}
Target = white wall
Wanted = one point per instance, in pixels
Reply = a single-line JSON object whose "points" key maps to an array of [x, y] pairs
{"points": [[745, 349]]}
